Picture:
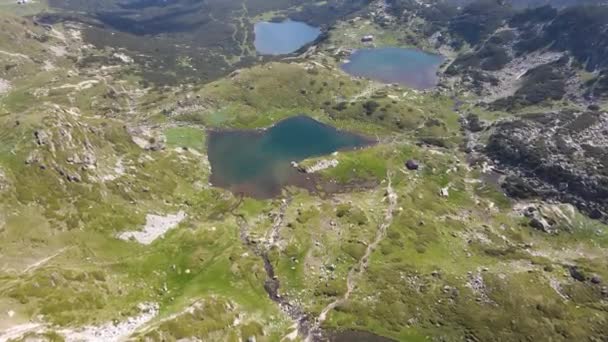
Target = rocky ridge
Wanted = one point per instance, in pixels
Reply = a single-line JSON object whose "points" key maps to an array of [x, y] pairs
{"points": [[560, 155]]}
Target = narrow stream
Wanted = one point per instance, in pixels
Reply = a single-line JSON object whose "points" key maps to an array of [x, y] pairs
{"points": [[272, 283]]}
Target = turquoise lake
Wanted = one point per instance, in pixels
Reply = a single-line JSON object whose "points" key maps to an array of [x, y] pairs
{"points": [[284, 37], [257, 163], [410, 67]]}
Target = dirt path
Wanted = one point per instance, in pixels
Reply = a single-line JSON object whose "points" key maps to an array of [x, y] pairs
{"points": [[41, 262], [240, 25], [355, 272], [368, 91], [16, 55]]}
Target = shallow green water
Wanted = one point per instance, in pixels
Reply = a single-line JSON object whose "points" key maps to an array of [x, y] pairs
{"points": [[257, 162]]}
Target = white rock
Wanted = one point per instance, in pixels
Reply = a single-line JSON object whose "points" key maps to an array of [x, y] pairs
{"points": [[156, 226]]}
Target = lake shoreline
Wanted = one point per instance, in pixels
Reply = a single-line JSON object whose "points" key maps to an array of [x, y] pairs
{"points": [[283, 38], [238, 166], [414, 68]]}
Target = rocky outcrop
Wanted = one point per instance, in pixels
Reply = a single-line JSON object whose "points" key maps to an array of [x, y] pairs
{"points": [[42, 137], [147, 138], [156, 226], [561, 156], [523, 57], [5, 86], [412, 164]]}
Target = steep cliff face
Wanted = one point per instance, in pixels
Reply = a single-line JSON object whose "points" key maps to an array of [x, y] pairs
{"points": [[560, 155]]}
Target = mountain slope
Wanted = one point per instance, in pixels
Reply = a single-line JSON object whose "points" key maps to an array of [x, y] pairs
{"points": [[110, 228]]}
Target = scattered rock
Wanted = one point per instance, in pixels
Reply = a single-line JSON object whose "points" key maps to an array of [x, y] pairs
{"points": [[89, 159], [113, 331], [123, 57], [5, 86], [576, 273], [529, 211], [412, 164], [32, 158], [74, 177], [4, 181], [540, 224], [444, 192], [321, 165], [147, 139], [555, 156], [156, 226], [298, 167], [476, 283], [596, 214], [544, 217], [42, 137], [367, 38]]}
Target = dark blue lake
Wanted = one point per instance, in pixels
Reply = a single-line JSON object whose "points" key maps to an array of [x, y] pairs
{"points": [[283, 38], [257, 162], [410, 67]]}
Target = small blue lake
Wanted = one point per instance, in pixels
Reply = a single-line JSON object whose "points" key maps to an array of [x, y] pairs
{"points": [[258, 162], [410, 67], [284, 37]]}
